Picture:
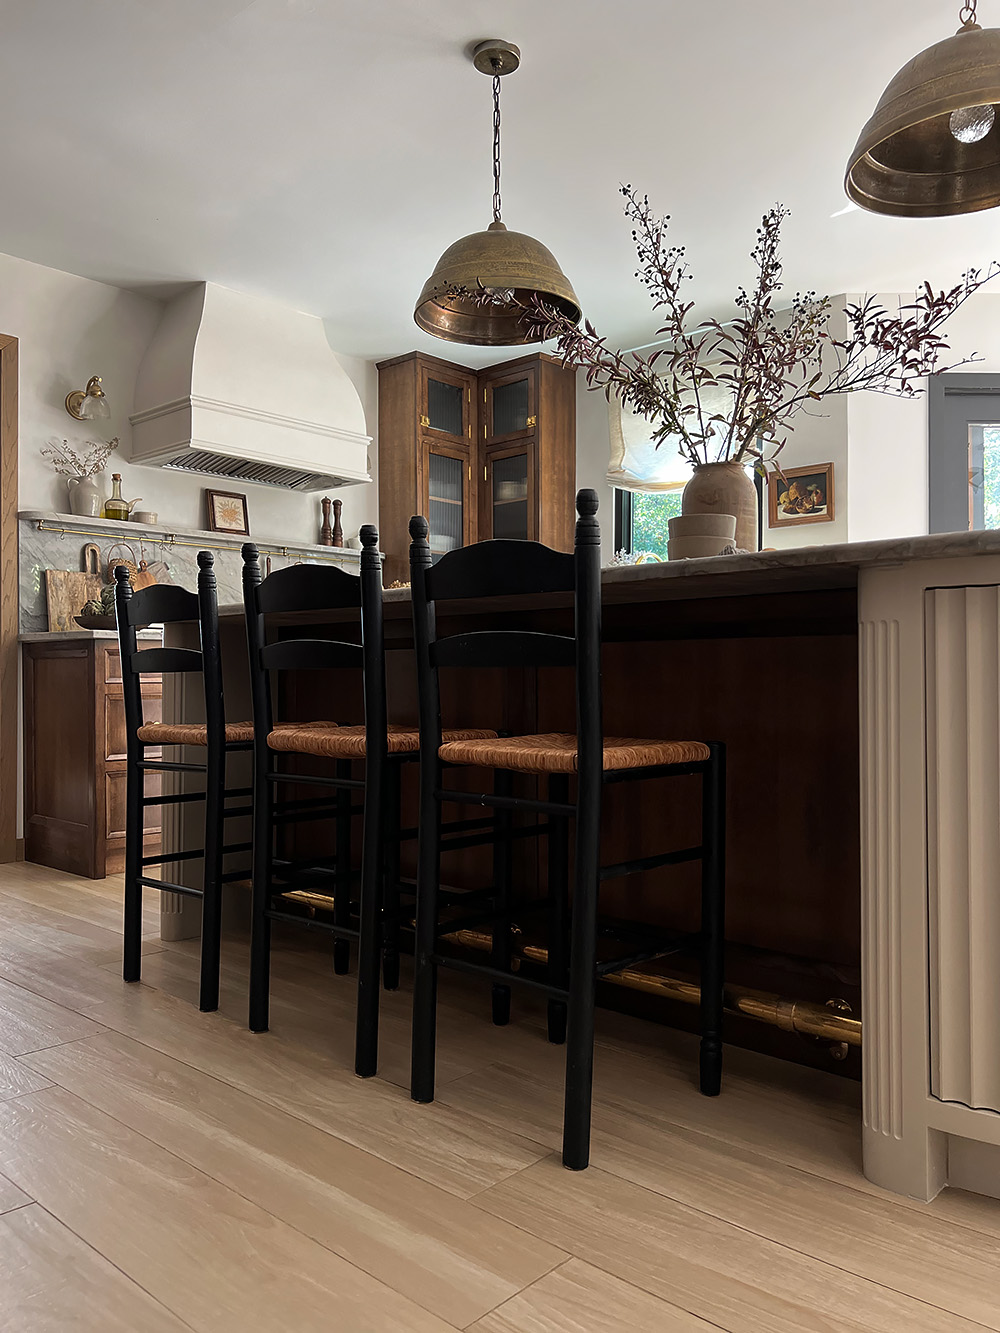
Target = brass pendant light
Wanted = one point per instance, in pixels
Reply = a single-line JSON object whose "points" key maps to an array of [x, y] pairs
{"points": [[481, 285], [932, 148]]}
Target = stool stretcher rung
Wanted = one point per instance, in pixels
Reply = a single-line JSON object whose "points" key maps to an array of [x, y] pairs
{"points": [[168, 886], [167, 857], [175, 798], [312, 780], [636, 867], [505, 802], [167, 766], [237, 811], [655, 771], [496, 974], [314, 923], [234, 876], [659, 950]]}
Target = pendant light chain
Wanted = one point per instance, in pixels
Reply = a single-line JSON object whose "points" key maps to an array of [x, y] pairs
{"points": [[967, 14], [496, 141]]}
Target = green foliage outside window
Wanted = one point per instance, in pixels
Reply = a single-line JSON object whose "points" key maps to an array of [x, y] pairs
{"points": [[650, 511], [991, 476]]}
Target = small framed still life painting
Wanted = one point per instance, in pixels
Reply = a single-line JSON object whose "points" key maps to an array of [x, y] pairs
{"points": [[800, 495], [227, 512]]}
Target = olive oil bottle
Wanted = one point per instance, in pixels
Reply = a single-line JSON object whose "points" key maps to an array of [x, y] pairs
{"points": [[114, 506]]}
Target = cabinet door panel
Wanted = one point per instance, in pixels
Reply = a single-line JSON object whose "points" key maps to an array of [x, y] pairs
{"points": [[510, 405], [446, 405], [447, 485], [509, 509]]}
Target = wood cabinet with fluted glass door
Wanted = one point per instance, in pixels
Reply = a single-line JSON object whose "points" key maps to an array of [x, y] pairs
{"points": [[512, 425]]}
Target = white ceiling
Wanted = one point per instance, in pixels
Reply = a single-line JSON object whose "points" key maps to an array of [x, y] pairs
{"points": [[324, 152]]}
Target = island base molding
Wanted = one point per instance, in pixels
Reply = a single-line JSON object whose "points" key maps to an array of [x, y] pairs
{"points": [[929, 658]]}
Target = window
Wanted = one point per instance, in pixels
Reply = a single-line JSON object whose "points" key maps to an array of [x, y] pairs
{"points": [[984, 477], [641, 520]]}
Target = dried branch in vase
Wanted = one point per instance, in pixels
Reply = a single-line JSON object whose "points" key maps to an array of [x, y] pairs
{"points": [[770, 363], [85, 462]]}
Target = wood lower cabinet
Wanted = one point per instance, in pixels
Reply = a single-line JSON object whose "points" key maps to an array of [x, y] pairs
{"points": [[74, 756], [480, 454]]}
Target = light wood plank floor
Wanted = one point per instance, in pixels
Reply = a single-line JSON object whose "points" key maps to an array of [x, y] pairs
{"points": [[162, 1169]]}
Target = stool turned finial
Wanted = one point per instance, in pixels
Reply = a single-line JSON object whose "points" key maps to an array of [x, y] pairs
{"points": [[587, 502], [588, 530], [370, 558], [123, 593], [419, 528], [206, 573], [251, 567]]}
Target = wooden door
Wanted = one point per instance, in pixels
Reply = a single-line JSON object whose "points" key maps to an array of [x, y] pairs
{"points": [[8, 598]]}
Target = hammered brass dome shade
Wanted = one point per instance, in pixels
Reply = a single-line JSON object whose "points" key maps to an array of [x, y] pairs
{"points": [[908, 162], [514, 266]]}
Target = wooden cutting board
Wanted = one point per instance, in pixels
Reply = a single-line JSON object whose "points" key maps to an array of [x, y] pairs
{"points": [[66, 590]]}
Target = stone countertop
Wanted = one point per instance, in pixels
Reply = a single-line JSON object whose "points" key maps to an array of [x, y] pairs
{"points": [[70, 635], [795, 568]]}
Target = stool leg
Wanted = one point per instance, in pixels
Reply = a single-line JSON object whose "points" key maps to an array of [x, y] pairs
{"points": [[713, 912], [211, 901], [500, 953], [425, 969], [390, 910], [558, 848], [582, 973], [132, 952], [370, 934], [342, 883], [260, 926]]}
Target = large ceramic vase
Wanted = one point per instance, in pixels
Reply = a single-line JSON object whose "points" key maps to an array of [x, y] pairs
{"points": [[725, 488]]}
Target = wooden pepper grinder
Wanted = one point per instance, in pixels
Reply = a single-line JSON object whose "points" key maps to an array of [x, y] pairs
{"points": [[326, 532], [338, 531]]}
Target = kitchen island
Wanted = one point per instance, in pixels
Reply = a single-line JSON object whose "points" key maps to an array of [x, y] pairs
{"points": [[858, 690]]}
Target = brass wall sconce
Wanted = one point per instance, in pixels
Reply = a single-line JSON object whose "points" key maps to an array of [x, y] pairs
{"points": [[90, 403], [932, 146]]}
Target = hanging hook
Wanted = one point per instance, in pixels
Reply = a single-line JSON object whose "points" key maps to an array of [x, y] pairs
{"points": [[967, 14]]}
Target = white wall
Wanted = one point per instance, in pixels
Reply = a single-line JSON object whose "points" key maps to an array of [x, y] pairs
{"points": [[593, 448], [878, 442], [69, 328]]}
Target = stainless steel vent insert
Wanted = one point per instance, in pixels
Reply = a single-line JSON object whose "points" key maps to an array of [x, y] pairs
{"points": [[244, 469]]}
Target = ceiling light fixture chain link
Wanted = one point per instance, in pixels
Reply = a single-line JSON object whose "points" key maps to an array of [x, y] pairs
{"points": [[496, 141], [967, 14]]}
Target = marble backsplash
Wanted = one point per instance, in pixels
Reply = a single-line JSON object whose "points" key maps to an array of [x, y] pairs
{"points": [[56, 541]]}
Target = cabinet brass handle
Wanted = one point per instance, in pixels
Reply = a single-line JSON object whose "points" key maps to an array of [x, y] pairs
{"points": [[531, 421]]}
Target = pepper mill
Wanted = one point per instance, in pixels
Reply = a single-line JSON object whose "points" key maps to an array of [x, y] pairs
{"points": [[338, 531], [326, 532]]}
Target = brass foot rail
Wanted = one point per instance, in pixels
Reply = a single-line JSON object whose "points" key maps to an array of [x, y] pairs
{"points": [[826, 1022]]}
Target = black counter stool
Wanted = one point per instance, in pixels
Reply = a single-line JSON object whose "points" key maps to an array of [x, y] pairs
{"points": [[318, 589], [504, 568], [168, 604]]}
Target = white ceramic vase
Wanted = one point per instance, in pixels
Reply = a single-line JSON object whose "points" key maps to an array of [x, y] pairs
{"points": [[86, 498]]}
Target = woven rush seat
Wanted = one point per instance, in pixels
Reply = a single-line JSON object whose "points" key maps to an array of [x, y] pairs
{"points": [[556, 752], [191, 733], [328, 740]]}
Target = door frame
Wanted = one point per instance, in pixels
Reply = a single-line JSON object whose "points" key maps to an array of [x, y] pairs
{"points": [[8, 598], [947, 453]]}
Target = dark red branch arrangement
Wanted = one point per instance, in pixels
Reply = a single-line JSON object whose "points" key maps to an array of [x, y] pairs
{"points": [[770, 363]]}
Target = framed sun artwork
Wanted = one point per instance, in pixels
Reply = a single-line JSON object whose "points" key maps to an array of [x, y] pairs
{"points": [[227, 512]]}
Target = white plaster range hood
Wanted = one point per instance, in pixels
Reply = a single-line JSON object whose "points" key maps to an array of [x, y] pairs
{"points": [[235, 387]]}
